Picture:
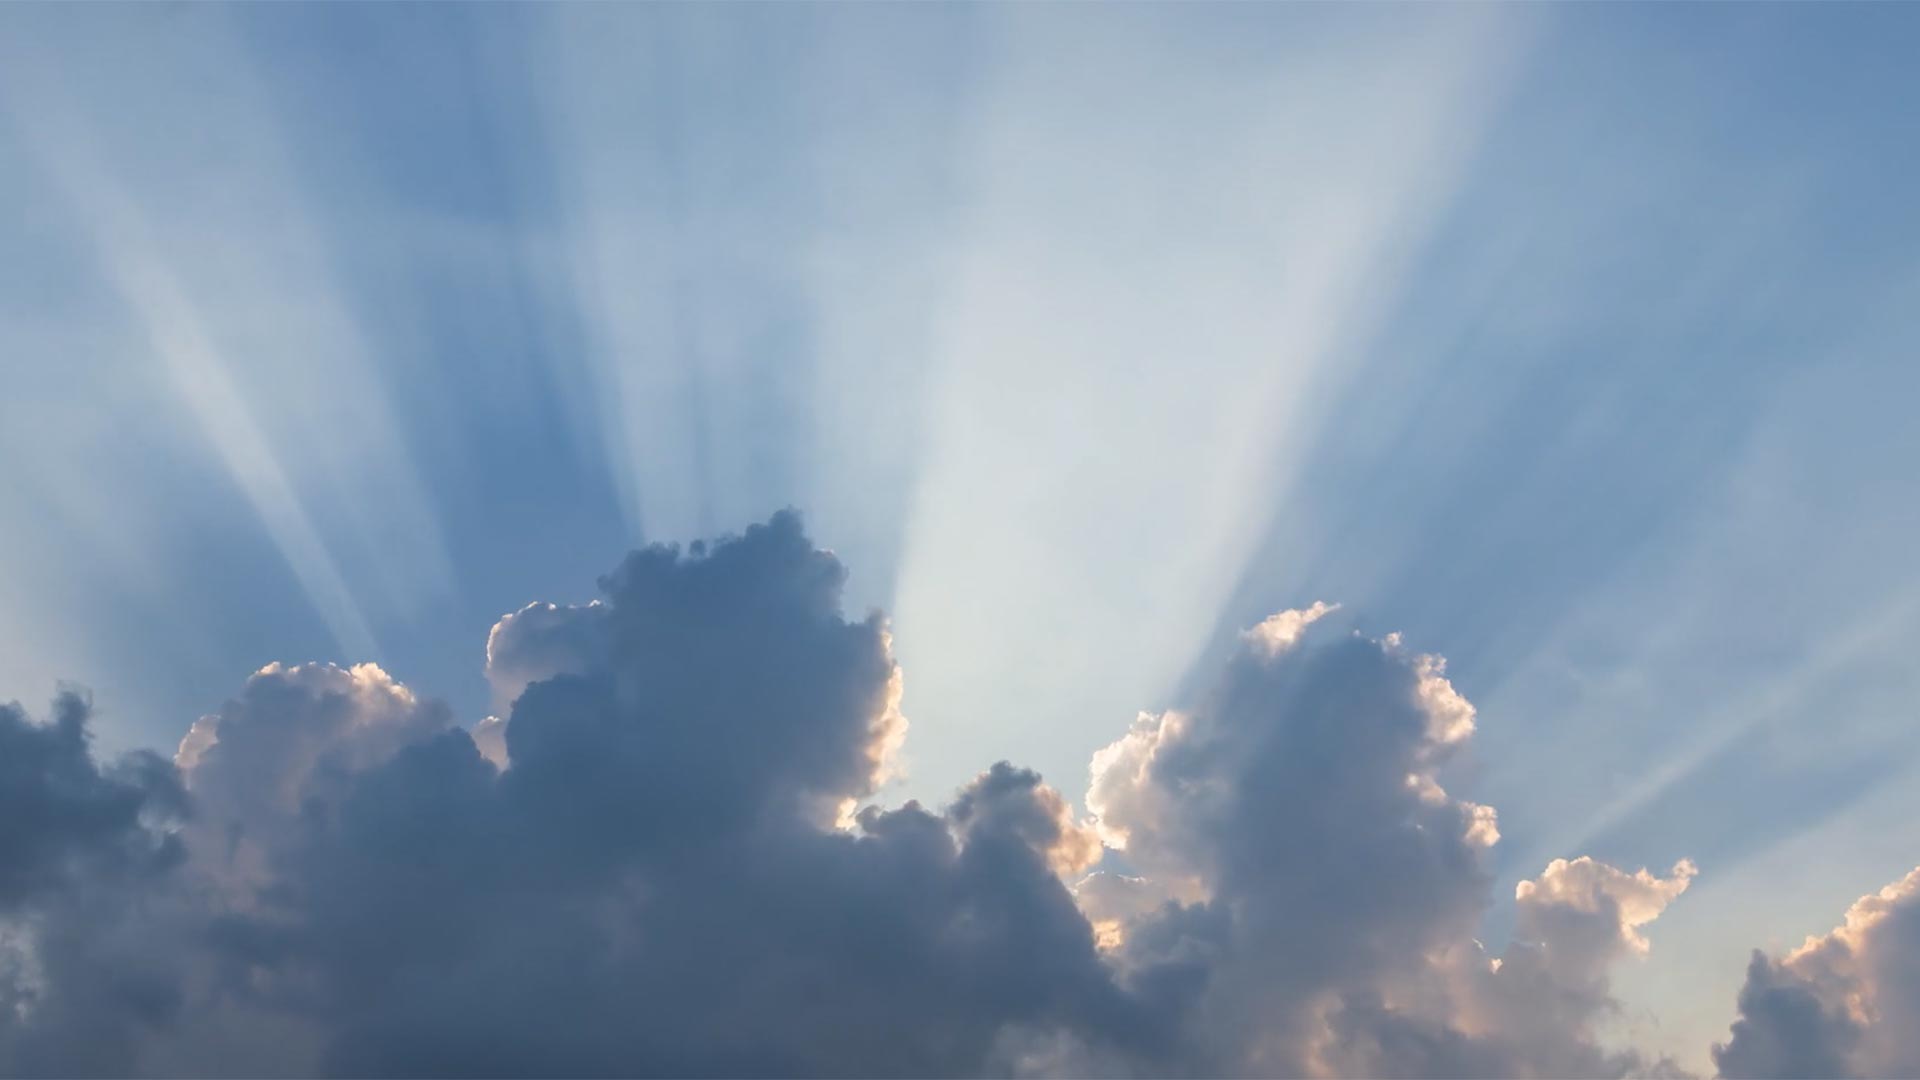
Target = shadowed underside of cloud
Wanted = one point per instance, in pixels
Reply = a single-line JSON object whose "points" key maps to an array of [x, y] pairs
{"points": [[1843, 1004], [80, 847], [663, 859]]}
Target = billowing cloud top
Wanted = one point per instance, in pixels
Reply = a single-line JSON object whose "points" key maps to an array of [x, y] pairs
{"points": [[1320, 889], [1844, 1004], [663, 858]]}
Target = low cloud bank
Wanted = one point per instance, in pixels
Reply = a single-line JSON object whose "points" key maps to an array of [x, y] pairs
{"points": [[663, 857]]}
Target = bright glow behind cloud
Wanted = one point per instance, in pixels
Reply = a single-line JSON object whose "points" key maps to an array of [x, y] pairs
{"points": [[1150, 299]]}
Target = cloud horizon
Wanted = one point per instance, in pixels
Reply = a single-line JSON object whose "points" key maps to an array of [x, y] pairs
{"points": [[665, 855]]}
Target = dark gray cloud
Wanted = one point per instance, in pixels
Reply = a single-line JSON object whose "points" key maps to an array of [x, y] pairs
{"points": [[65, 820], [663, 859], [669, 877], [80, 845]]}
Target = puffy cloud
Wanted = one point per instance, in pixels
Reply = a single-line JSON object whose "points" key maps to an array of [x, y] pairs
{"points": [[1014, 802], [656, 883], [1307, 889], [536, 643], [424, 937], [1846, 1003], [541, 641], [733, 692], [650, 863], [80, 844], [292, 734], [65, 821], [293, 728], [1540, 1002], [1281, 631], [1605, 905]]}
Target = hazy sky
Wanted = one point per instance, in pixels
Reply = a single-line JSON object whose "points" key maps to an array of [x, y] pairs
{"points": [[1577, 344]]}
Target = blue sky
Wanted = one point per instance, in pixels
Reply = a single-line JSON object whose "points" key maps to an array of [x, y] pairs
{"points": [[1575, 343]]}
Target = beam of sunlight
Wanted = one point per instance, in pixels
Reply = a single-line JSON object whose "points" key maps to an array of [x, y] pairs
{"points": [[1159, 280], [1787, 693], [1746, 639], [225, 271], [671, 288], [174, 329], [753, 255], [175, 333]]}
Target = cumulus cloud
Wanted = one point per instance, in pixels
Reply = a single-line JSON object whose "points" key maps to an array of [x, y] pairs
{"points": [[1318, 888], [663, 857], [66, 821], [80, 842], [541, 641], [660, 881], [294, 738], [538, 642], [1846, 1003]]}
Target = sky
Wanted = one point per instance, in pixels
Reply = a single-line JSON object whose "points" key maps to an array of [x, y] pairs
{"points": [[1093, 346]]}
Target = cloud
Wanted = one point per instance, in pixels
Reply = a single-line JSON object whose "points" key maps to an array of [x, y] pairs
{"points": [[1320, 888], [64, 820], [79, 843], [662, 881], [541, 641], [665, 858], [1846, 1003], [293, 735], [261, 752]]}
